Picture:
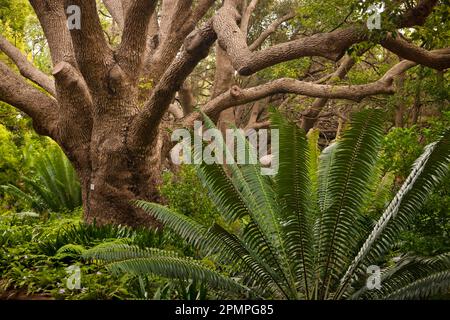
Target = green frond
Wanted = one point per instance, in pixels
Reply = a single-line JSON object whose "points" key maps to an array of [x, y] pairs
{"points": [[54, 186], [294, 194], [268, 217], [133, 260], [428, 170], [347, 188], [190, 230], [223, 192], [32, 200], [313, 163], [210, 241], [244, 258], [112, 252], [436, 283], [258, 194], [411, 277], [417, 277], [326, 159]]}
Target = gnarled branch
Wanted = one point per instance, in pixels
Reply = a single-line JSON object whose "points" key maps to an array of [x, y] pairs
{"points": [[439, 60], [171, 36], [144, 127], [93, 55], [115, 8], [237, 96], [39, 106], [131, 51], [26, 68], [52, 17]]}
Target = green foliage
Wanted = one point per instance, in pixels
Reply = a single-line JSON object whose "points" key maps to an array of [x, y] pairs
{"points": [[84, 235], [289, 247], [185, 193], [14, 13], [35, 252], [9, 157], [429, 231], [24, 268], [54, 185], [401, 147]]}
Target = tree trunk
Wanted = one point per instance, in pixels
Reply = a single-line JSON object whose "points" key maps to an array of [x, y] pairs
{"points": [[114, 181], [111, 174]]}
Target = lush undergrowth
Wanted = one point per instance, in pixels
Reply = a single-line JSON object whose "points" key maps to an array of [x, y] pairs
{"points": [[35, 253], [37, 248]]}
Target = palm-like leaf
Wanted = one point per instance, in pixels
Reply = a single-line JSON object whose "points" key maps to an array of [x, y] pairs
{"points": [[294, 193], [132, 259], [54, 187], [349, 177], [428, 170]]}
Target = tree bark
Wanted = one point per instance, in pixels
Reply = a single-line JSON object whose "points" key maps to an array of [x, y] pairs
{"points": [[111, 174]]}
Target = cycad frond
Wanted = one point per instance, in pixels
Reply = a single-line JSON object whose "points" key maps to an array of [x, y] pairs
{"points": [[228, 200], [113, 252], [131, 259], [213, 241], [411, 278], [428, 170], [258, 194], [54, 185], [326, 159], [244, 258], [435, 283], [190, 230], [349, 175], [294, 194], [274, 254], [313, 163], [31, 199]]}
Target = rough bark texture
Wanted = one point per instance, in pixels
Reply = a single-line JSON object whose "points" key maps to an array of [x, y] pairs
{"points": [[113, 130]]}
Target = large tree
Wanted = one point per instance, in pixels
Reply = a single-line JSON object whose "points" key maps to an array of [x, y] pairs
{"points": [[105, 104]]}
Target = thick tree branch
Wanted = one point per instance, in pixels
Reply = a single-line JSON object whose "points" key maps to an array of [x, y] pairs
{"points": [[247, 15], [52, 17], [417, 15], [40, 107], [144, 128], [187, 100], [131, 51], [310, 116], [183, 21], [330, 45], [72, 81], [75, 116], [92, 52], [176, 111], [439, 60], [26, 68], [237, 96], [116, 10]]}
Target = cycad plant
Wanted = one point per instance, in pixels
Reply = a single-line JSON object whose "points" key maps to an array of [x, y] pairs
{"points": [[53, 185], [305, 233]]}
